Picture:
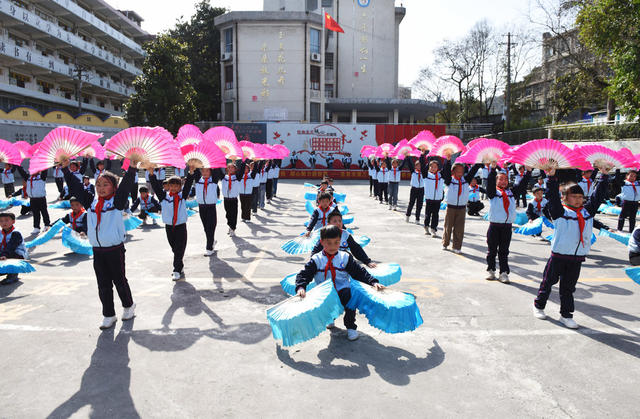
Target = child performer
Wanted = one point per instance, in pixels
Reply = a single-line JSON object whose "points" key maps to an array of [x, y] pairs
{"points": [[105, 229], [373, 179], [276, 175], [99, 168], [433, 193], [382, 182], [77, 217], [538, 206], [8, 179], [37, 192], [271, 172], [160, 175], [347, 242], [321, 213], [58, 176], [520, 172], [393, 182], [12, 245], [206, 182], [416, 194], [457, 198], [86, 184], [474, 206], [22, 193], [230, 192], [249, 171], [174, 216], [147, 204], [634, 247], [255, 194], [341, 266], [586, 181], [502, 213], [262, 188], [573, 222], [179, 172], [630, 195]]}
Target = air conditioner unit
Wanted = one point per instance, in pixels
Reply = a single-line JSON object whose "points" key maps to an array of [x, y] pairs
{"points": [[226, 56], [316, 57]]}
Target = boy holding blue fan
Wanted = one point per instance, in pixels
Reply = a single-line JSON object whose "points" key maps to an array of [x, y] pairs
{"points": [[340, 267], [12, 244], [321, 213], [77, 217], [347, 242]]}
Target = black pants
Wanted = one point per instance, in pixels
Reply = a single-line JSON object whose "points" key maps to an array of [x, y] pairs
{"points": [[269, 190], [231, 211], [473, 208], [9, 189], [383, 190], [108, 263], [177, 237], [629, 210], [60, 186], [254, 200], [416, 196], [371, 189], [634, 258], [522, 197], [39, 207], [24, 210], [498, 241], [375, 187], [209, 218], [432, 213], [349, 315], [245, 205], [134, 192], [145, 213], [567, 271]]}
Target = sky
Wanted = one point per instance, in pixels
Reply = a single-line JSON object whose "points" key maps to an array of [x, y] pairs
{"points": [[426, 24]]}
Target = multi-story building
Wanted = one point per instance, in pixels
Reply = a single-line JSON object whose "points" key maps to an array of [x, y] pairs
{"points": [[76, 56], [276, 65]]}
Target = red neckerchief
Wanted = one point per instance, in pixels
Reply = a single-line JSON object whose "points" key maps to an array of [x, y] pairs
{"points": [[145, 202], [98, 173], [230, 183], [330, 267], [4, 239], [588, 180], [31, 180], [206, 184], [99, 206], [394, 173], [7, 172], [578, 212], [75, 217], [474, 189], [459, 185], [634, 189], [246, 176], [505, 200], [538, 204], [324, 214], [436, 180], [176, 204]]}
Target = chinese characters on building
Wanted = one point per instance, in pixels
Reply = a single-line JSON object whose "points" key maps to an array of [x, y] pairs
{"points": [[364, 30], [278, 78]]}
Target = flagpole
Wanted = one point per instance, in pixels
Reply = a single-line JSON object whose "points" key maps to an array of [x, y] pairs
{"points": [[322, 68]]}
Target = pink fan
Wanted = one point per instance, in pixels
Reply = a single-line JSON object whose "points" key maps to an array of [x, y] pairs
{"points": [[145, 145], [424, 140], [402, 149], [263, 152], [474, 142], [189, 134], [95, 150], [384, 150], [281, 150], [205, 154], [603, 157], [226, 139], [24, 148], [367, 150], [548, 154], [34, 148], [446, 146], [248, 150], [9, 153], [61, 144], [486, 150]]}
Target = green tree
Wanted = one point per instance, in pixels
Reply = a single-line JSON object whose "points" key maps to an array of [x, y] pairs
{"points": [[164, 93], [576, 92], [451, 113], [202, 39]]}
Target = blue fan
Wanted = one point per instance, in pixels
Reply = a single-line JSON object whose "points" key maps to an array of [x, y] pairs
{"points": [[301, 244], [363, 240], [219, 201], [347, 220], [17, 266], [389, 311], [547, 222], [443, 205], [296, 320], [5, 203], [19, 201], [603, 206], [191, 203], [521, 218], [612, 210], [309, 185], [473, 196], [310, 206], [191, 213], [530, 229], [310, 196], [344, 210], [621, 237], [486, 216], [339, 197], [529, 197], [55, 228], [61, 204], [154, 215], [386, 273], [131, 222], [289, 284], [74, 242], [633, 273]]}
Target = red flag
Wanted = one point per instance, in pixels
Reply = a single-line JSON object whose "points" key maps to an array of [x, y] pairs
{"points": [[331, 24]]}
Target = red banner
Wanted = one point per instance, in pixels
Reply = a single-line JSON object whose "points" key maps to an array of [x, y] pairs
{"points": [[386, 133], [334, 174]]}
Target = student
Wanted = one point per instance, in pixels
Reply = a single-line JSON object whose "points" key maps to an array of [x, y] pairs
{"points": [[58, 177], [148, 204], [78, 169], [502, 213], [630, 196], [255, 198], [22, 193], [105, 230], [271, 172], [180, 172], [373, 180], [262, 188], [320, 216], [520, 172], [541, 182], [86, 184], [381, 175], [573, 223], [433, 194], [586, 181], [393, 182], [634, 247], [416, 194], [99, 168], [160, 175], [276, 175], [230, 192], [474, 206], [457, 197], [77, 217], [249, 172], [37, 192], [538, 206], [484, 175], [8, 179], [206, 183], [340, 267], [12, 245], [347, 242]]}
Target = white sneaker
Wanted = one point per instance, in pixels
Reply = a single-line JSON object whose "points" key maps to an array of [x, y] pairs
{"points": [[408, 218], [129, 312], [208, 252], [44, 230], [108, 322], [433, 232], [457, 251], [538, 313], [491, 276], [390, 207], [331, 325], [175, 276], [504, 278], [352, 334], [395, 208], [232, 233], [569, 322], [418, 221], [426, 231], [445, 248], [229, 231], [36, 231]]}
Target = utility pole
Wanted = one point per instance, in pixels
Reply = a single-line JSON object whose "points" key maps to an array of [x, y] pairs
{"points": [[78, 74], [507, 94]]}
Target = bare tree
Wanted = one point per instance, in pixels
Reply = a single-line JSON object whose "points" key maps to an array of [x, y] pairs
{"points": [[431, 86]]}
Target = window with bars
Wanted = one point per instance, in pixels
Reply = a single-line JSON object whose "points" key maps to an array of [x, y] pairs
{"points": [[314, 77], [228, 40], [314, 41], [228, 77], [328, 60]]}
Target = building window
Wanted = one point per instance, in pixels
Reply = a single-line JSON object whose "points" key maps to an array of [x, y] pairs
{"points": [[314, 111], [228, 40], [19, 80], [314, 41], [228, 77], [327, 3], [44, 87], [312, 5], [228, 111], [328, 90], [314, 77], [328, 60]]}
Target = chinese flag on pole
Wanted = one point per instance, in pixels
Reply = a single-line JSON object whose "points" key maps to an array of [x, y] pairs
{"points": [[331, 24]]}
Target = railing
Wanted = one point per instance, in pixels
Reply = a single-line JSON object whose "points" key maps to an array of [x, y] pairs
{"points": [[581, 131], [35, 21]]}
